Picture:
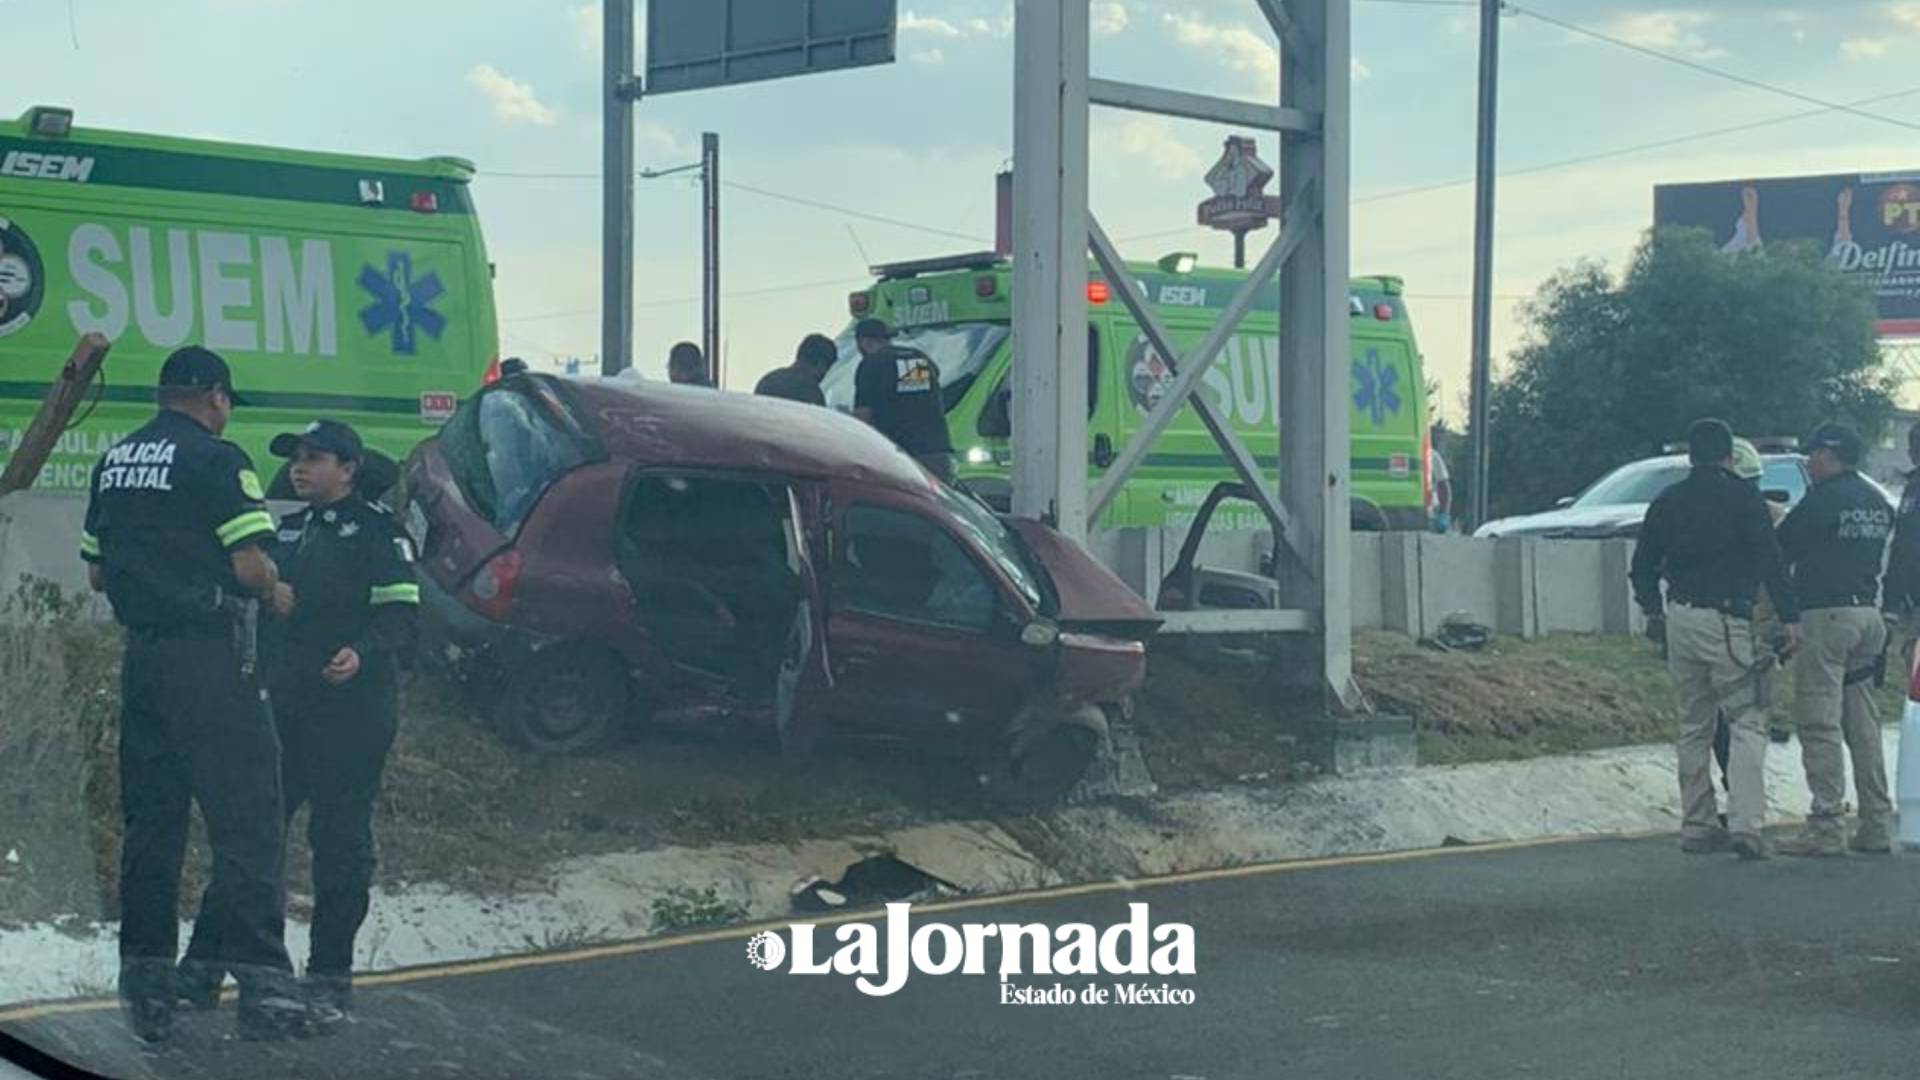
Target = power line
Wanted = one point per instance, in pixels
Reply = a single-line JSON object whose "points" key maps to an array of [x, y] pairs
{"points": [[850, 212], [1706, 69], [816, 204], [1601, 155], [767, 291]]}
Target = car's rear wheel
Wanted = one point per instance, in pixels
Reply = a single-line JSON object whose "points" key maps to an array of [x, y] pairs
{"points": [[568, 699]]}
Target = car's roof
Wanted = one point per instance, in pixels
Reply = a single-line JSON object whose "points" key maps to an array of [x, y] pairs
{"points": [[1681, 459], [661, 423]]}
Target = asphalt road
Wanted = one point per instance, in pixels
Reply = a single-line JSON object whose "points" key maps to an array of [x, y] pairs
{"points": [[1616, 958]]}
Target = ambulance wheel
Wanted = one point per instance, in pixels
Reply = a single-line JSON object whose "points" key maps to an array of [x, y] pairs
{"points": [[567, 699]]}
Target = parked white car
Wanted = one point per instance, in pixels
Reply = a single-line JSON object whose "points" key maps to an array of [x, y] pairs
{"points": [[1615, 504]]}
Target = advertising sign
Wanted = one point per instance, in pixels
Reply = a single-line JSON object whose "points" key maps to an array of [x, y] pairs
{"points": [[1868, 223]]}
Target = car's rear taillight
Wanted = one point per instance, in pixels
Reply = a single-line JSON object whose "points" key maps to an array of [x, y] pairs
{"points": [[859, 304], [1913, 676], [493, 372], [491, 591]]}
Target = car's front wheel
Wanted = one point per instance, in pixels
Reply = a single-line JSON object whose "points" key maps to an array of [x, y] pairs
{"points": [[1049, 755], [567, 699]]}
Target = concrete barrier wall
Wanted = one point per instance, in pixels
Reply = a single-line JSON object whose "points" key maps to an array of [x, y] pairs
{"points": [[1408, 582], [1411, 582]]}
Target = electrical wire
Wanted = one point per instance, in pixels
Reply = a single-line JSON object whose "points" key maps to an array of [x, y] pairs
{"points": [[1705, 69], [850, 212], [1602, 155], [767, 291]]}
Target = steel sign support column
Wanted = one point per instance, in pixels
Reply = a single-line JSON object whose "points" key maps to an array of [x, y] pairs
{"points": [[1309, 509], [617, 180], [1049, 409], [1315, 455]]}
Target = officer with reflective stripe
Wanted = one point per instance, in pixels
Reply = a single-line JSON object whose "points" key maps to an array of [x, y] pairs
{"points": [[1710, 538], [175, 536], [1836, 539], [348, 598]]}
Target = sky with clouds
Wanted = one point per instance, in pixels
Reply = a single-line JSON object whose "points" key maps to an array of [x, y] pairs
{"points": [[513, 85]]}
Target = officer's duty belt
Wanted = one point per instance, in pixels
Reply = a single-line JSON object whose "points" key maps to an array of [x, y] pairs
{"points": [[1739, 609]]}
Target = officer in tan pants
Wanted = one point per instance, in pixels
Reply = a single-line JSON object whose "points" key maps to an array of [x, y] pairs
{"points": [[1834, 541], [1710, 538]]}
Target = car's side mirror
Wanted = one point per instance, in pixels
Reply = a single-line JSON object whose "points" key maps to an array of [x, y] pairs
{"points": [[1563, 502], [1039, 634], [1778, 495]]}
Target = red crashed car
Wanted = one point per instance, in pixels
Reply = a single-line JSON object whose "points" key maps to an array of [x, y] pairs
{"points": [[604, 549]]}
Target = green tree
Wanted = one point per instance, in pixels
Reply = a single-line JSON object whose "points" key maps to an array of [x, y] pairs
{"points": [[1610, 371]]}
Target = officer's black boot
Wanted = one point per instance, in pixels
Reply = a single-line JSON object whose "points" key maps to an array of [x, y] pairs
{"points": [[272, 1006], [197, 984], [146, 996], [329, 992]]}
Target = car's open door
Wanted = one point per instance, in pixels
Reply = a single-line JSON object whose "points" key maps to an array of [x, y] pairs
{"points": [[804, 671]]}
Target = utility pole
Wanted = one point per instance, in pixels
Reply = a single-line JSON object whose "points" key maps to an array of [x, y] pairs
{"points": [[1483, 256], [710, 252], [616, 235], [617, 189]]}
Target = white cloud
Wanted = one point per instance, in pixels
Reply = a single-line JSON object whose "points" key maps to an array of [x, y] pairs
{"points": [[651, 137], [1863, 48], [1235, 47], [588, 24], [948, 30], [929, 57], [1669, 31], [513, 101], [1109, 17], [1153, 141], [911, 23], [1906, 12], [1361, 72]]}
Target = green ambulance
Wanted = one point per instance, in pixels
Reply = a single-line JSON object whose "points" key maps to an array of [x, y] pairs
{"points": [[353, 288], [959, 311]]}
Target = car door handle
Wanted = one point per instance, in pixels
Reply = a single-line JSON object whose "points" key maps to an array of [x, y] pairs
{"points": [[855, 659]]}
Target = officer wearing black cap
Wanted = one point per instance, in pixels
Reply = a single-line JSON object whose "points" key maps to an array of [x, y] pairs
{"points": [[175, 535], [1710, 537], [348, 600], [897, 390], [1835, 540]]}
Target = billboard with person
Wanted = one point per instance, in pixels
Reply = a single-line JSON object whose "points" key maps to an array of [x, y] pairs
{"points": [[1868, 223]]}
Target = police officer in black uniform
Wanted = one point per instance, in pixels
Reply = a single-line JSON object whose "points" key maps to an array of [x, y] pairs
{"points": [[1835, 540], [1900, 593], [348, 600], [1712, 540], [175, 536]]}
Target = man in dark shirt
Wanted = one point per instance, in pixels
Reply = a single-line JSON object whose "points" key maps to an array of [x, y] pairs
{"points": [[686, 367], [1834, 540], [800, 380], [898, 391], [175, 535], [1710, 537]]}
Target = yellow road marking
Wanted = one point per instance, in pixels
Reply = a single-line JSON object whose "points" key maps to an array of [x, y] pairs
{"points": [[463, 968]]}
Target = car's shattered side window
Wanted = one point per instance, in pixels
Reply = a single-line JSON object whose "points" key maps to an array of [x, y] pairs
{"points": [[901, 566]]}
